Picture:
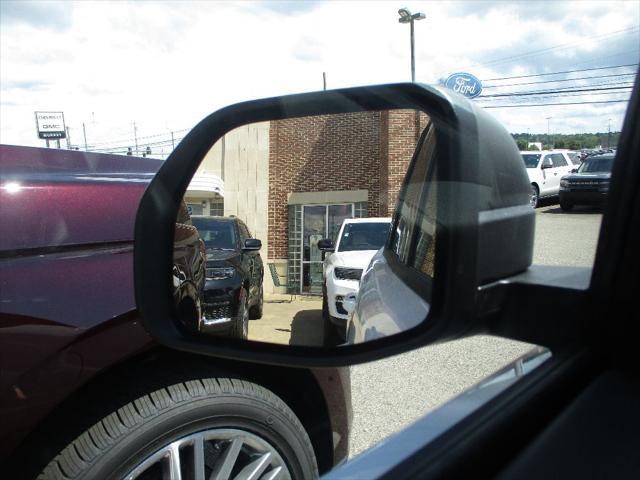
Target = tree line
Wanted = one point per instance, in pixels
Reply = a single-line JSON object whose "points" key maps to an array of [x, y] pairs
{"points": [[575, 141]]}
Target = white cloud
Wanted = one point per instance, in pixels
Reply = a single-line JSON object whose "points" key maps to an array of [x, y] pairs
{"points": [[166, 65]]}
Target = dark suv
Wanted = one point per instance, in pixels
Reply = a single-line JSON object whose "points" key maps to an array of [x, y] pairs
{"points": [[85, 393], [588, 184], [233, 290]]}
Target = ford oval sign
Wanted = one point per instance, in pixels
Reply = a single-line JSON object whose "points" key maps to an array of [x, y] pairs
{"points": [[464, 84]]}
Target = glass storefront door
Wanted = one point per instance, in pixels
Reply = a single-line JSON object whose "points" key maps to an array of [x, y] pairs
{"points": [[318, 222]]}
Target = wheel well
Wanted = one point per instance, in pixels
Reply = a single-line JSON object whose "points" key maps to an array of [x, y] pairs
{"points": [[534, 184], [116, 387]]}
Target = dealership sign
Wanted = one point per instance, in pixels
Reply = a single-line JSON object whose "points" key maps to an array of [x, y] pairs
{"points": [[50, 125], [464, 84]]}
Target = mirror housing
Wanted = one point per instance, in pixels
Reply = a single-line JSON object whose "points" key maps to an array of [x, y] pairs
{"points": [[547, 163], [485, 224], [574, 170], [252, 245], [326, 245]]}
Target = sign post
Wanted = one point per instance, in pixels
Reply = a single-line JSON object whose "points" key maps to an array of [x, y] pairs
{"points": [[50, 126]]}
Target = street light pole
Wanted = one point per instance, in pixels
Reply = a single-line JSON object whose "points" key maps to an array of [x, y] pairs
{"points": [[407, 17]]}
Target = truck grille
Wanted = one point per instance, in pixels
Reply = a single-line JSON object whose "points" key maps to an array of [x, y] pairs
{"points": [[217, 310]]}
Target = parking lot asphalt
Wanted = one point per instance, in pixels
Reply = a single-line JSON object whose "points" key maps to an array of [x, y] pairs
{"points": [[390, 394], [289, 321]]}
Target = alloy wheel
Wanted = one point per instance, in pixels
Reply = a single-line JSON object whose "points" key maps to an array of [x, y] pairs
{"points": [[533, 197], [217, 454]]}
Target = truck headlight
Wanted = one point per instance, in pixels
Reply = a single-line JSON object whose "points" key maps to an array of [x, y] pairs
{"points": [[564, 183], [344, 273], [219, 273]]}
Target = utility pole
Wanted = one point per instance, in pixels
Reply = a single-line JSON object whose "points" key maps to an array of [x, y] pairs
{"points": [[173, 142], [548, 129], [84, 131], [609, 135], [407, 17], [135, 136], [68, 138], [324, 80]]}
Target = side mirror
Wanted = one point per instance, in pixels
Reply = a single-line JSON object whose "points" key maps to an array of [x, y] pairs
{"points": [[252, 244], [461, 224], [547, 163], [326, 245], [574, 170]]}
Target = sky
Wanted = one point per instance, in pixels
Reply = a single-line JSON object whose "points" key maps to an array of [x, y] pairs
{"points": [[163, 66]]}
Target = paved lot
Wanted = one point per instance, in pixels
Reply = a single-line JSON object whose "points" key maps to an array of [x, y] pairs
{"points": [[297, 322], [392, 393]]}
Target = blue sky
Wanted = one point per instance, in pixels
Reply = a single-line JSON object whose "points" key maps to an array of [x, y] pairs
{"points": [[165, 65]]}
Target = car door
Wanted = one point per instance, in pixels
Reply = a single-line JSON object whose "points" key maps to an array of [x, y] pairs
{"points": [[544, 167], [582, 399], [554, 174]]}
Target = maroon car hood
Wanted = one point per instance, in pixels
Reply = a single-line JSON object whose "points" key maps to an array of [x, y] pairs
{"points": [[55, 198]]}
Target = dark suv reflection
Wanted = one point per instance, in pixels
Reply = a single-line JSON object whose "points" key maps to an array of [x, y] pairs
{"points": [[233, 291], [188, 270]]}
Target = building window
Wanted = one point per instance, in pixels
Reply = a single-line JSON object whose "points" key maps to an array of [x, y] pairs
{"points": [[194, 208], [360, 210], [295, 249], [216, 209]]}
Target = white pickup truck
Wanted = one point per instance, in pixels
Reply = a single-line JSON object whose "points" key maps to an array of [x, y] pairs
{"points": [[358, 240], [545, 170]]}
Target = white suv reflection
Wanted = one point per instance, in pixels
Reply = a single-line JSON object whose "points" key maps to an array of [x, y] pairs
{"points": [[358, 241]]}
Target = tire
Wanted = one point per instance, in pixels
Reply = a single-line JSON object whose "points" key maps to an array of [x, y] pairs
{"points": [[566, 206], [329, 332], [534, 196], [255, 312], [216, 409], [240, 326]]}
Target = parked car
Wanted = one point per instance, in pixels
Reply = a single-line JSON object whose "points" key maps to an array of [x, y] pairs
{"points": [[358, 240], [85, 392], [545, 170], [233, 291], [589, 184]]}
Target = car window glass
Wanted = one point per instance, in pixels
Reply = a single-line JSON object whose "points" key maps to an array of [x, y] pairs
{"points": [[244, 232], [426, 221], [597, 165], [530, 160], [216, 234], [558, 160], [409, 204], [363, 236]]}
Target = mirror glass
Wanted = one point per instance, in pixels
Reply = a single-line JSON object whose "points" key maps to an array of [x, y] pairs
{"points": [[283, 217]]}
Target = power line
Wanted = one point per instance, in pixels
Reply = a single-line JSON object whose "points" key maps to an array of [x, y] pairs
{"points": [[557, 95], [561, 80], [542, 92], [111, 142], [534, 53], [552, 104], [563, 72], [619, 54]]}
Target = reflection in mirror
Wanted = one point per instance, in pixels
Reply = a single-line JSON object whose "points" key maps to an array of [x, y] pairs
{"points": [[283, 217]]}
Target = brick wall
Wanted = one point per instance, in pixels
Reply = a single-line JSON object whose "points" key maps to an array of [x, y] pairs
{"points": [[356, 151]]}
